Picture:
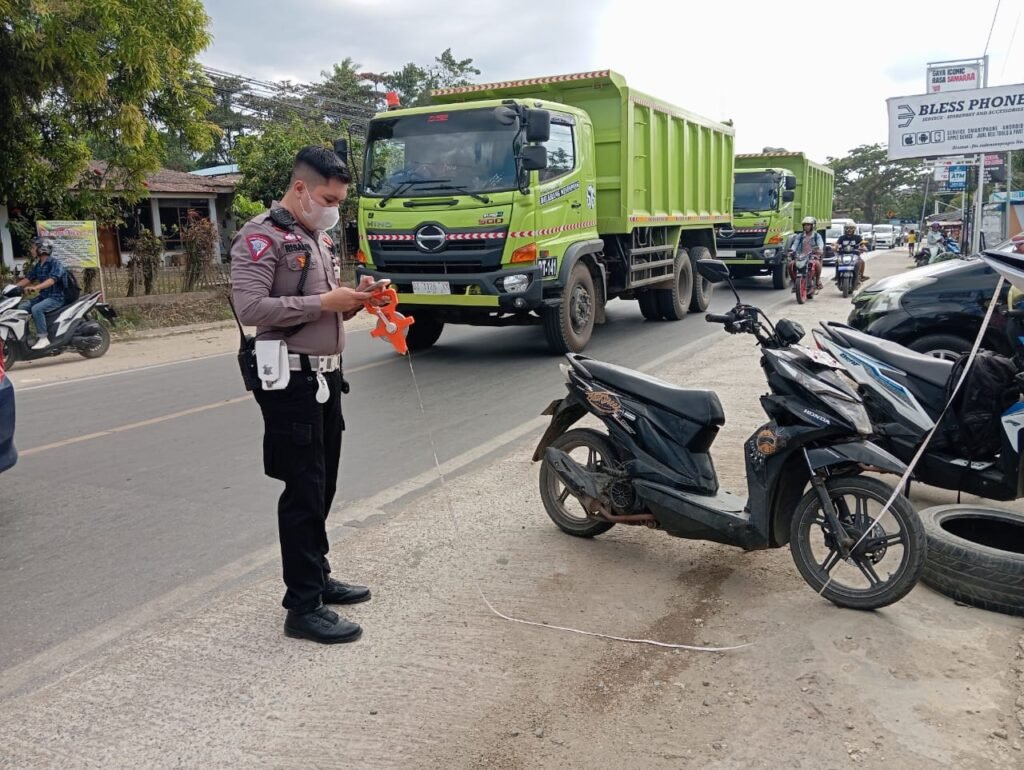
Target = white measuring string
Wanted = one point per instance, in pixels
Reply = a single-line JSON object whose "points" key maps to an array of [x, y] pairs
{"points": [[456, 537], [927, 439]]}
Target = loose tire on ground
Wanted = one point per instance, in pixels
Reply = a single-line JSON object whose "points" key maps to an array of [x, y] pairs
{"points": [[424, 332], [674, 302], [976, 556], [702, 288], [569, 326], [550, 494]]}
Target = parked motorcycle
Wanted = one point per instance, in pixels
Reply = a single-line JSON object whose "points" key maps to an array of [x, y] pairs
{"points": [[904, 394], [848, 269], [929, 255], [804, 272], [653, 467], [73, 328]]}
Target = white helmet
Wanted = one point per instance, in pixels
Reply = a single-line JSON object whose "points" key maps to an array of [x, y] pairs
{"points": [[809, 221]]}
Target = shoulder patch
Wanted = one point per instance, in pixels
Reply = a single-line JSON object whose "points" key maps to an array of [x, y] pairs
{"points": [[327, 240], [258, 245]]}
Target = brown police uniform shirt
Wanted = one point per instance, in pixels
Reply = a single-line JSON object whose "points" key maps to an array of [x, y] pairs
{"points": [[266, 264]]}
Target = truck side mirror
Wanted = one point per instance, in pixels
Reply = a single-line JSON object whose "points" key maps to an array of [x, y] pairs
{"points": [[788, 196], [790, 182], [538, 125], [534, 157]]}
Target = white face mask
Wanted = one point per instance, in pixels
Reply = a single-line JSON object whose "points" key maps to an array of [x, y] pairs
{"points": [[319, 217]]}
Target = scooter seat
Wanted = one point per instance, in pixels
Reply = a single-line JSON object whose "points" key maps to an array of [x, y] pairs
{"points": [[700, 406], [927, 368]]}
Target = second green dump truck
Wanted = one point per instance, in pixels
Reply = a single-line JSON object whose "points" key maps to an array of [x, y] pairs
{"points": [[773, 192], [538, 201]]}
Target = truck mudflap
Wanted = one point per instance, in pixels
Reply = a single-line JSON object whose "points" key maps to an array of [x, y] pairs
{"points": [[466, 289]]}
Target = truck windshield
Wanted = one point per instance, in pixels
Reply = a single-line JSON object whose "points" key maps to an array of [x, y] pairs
{"points": [[465, 152], [755, 192]]}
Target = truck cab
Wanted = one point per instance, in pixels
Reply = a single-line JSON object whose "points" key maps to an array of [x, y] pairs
{"points": [[762, 215]]}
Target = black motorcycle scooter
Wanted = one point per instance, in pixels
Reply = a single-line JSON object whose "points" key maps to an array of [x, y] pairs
{"points": [[653, 467]]}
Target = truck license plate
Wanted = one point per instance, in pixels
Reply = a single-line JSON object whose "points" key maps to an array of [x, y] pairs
{"points": [[431, 287]]}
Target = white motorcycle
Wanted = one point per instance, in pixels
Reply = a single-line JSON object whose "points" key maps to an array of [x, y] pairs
{"points": [[72, 328]]}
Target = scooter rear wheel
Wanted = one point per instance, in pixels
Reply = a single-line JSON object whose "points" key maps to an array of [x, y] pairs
{"points": [[10, 355], [888, 559], [593, 451]]}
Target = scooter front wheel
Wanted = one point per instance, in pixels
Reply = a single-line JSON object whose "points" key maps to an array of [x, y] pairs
{"points": [[887, 560], [594, 452]]}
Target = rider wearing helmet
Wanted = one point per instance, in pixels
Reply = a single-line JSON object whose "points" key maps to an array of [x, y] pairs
{"points": [[48, 273], [852, 238], [810, 243]]}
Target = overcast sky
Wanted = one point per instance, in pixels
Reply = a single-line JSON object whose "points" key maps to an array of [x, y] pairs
{"points": [[809, 75]]}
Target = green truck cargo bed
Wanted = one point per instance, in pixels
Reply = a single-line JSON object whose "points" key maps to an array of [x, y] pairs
{"points": [[656, 164]]}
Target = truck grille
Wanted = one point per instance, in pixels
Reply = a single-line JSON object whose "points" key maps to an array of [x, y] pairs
{"points": [[449, 268]]}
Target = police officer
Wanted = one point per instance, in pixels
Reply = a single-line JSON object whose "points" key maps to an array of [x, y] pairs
{"points": [[286, 282]]}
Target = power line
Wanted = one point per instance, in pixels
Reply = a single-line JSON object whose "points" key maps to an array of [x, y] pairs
{"points": [[994, 17]]}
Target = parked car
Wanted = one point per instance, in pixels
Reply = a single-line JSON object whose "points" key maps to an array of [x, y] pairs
{"points": [[8, 454], [885, 236], [867, 236], [935, 309]]}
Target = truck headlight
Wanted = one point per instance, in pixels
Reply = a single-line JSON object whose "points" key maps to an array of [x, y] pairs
{"points": [[514, 284], [769, 253]]}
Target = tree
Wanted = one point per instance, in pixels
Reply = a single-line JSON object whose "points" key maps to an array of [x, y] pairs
{"points": [[231, 121], [266, 160], [413, 83], [74, 71], [868, 184]]}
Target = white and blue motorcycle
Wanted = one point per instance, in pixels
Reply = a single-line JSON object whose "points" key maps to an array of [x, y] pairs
{"points": [[72, 328], [904, 394]]}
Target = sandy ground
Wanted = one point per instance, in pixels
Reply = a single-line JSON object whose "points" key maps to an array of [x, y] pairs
{"points": [[440, 681]]}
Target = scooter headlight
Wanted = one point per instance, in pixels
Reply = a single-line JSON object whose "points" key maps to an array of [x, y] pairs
{"points": [[847, 259], [852, 411]]}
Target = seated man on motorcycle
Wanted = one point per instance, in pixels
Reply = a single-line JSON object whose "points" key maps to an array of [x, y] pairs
{"points": [[810, 243], [936, 239], [851, 238], [48, 273]]}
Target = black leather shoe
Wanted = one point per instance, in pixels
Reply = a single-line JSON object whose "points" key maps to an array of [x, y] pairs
{"points": [[336, 592], [321, 625]]}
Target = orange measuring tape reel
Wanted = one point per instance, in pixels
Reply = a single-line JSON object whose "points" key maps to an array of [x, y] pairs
{"points": [[391, 325]]}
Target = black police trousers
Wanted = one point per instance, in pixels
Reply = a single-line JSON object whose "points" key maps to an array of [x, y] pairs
{"points": [[302, 448]]}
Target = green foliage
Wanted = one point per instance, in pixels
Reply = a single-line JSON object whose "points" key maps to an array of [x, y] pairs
{"points": [[243, 209], [111, 72], [414, 83], [868, 185], [265, 161]]}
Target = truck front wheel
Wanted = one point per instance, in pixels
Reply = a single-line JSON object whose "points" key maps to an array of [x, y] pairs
{"points": [[424, 332], [675, 302], [702, 288], [568, 326], [780, 276]]}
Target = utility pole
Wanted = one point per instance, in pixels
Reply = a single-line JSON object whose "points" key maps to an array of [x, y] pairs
{"points": [[979, 200]]}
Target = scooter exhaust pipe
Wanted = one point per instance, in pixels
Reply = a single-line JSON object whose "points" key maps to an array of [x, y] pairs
{"points": [[583, 486]]}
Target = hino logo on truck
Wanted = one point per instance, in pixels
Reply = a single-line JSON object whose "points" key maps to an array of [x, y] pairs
{"points": [[430, 238]]}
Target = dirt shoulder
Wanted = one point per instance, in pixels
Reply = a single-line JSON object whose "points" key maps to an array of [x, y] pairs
{"points": [[439, 680]]}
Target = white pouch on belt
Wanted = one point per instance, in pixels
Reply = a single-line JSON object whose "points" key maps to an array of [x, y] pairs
{"points": [[272, 364]]}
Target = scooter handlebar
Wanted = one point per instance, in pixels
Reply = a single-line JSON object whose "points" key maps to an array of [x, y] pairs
{"points": [[715, 318]]}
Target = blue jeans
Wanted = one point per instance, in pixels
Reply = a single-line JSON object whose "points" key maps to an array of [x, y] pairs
{"points": [[40, 306]]}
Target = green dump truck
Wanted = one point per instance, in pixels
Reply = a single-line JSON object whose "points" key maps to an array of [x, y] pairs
{"points": [[537, 201], [774, 191]]}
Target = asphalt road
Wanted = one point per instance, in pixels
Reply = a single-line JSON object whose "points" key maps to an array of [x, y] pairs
{"points": [[135, 484]]}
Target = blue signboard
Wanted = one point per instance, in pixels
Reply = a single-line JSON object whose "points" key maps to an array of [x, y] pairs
{"points": [[957, 178]]}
